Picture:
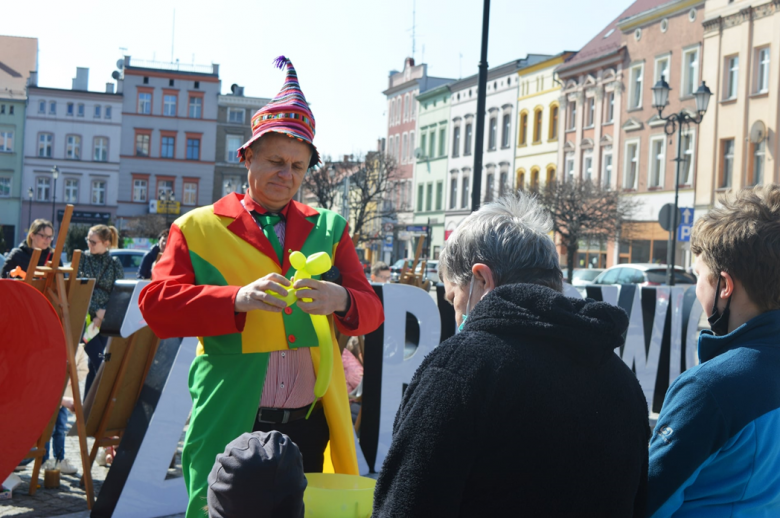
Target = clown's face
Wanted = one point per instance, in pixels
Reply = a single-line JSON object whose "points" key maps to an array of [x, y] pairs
{"points": [[275, 169]]}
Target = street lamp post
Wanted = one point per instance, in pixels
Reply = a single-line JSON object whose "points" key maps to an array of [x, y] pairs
{"points": [[55, 172], [675, 122], [29, 207], [167, 197]]}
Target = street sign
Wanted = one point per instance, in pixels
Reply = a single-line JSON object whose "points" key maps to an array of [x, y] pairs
{"points": [[663, 217], [389, 227], [417, 228], [686, 224], [81, 216], [168, 207]]}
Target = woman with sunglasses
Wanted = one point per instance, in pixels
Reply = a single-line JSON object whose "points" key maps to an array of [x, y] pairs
{"points": [[41, 235], [98, 264]]}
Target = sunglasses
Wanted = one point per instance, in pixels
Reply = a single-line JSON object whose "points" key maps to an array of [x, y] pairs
{"points": [[90, 242], [44, 236]]}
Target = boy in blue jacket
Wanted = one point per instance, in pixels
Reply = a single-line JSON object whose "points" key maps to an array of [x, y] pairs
{"points": [[716, 448]]}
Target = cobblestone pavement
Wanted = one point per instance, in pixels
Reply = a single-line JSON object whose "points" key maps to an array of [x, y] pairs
{"points": [[69, 500]]}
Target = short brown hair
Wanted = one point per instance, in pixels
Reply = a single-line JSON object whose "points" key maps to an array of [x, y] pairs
{"points": [[742, 238]]}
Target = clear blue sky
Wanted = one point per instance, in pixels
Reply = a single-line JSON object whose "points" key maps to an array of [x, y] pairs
{"points": [[342, 49]]}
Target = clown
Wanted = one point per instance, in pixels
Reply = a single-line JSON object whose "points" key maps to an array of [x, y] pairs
{"points": [[258, 359]]}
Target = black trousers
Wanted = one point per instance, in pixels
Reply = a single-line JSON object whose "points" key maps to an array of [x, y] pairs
{"points": [[94, 349], [311, 436]]}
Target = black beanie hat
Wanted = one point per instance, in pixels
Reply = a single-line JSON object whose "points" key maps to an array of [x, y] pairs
{"points": [[259, 475]]}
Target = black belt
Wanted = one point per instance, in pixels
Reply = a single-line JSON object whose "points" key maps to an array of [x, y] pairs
{"points": [[284, 415]]}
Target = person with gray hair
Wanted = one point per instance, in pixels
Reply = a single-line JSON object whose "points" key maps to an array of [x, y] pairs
{"points": [[526, 411]]}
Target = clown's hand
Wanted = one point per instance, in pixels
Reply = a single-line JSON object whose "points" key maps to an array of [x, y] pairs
{"points": [[253, 296], [326, 298]]}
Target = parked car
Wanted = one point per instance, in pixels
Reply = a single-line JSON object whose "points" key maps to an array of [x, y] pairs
{"points": [[585, 276], [643, 274], [431, 271], [130, 259], [395, 269]]}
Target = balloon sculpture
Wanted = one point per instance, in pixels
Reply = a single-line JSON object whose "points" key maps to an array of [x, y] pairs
{"points": [[315, 264]]}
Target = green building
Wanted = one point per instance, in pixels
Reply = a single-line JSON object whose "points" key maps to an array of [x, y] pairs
{"points": [[430, 172]]}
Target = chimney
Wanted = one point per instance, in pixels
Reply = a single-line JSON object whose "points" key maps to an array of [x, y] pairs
{"points": [[109, 88], [380, 145], [81, 81], [215, 69], [33, 80], [409, 63], [346, 158]]}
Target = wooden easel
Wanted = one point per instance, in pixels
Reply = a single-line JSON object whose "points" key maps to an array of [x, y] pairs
{"points": [[71, 301], [410, 276]]}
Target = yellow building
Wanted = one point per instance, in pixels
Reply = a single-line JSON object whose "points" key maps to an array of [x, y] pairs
{"points": [[536, 154]]}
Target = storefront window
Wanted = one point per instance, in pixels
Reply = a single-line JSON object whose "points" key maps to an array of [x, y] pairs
{"points": [[640, 251]]}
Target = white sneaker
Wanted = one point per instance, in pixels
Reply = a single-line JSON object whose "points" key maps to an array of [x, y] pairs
{"points": [[65, 467], [100, 459], [49, 464]]}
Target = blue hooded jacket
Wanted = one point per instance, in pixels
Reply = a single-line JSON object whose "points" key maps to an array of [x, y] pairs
{"points": [[715, 450]]}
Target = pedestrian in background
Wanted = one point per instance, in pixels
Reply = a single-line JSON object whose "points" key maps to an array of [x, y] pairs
{"points": [[380, 272], [41, 235], [152, 256]]}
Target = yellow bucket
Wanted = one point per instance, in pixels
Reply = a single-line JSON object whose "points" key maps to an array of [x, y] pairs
{"points": [[331, 495]]}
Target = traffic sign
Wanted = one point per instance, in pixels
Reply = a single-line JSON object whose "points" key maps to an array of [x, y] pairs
{"points": [[389, 227], [416, 228], [664, 217], [686, 224]]}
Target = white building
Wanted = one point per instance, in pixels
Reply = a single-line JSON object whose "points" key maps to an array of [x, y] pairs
{"points": [[77, 131]]}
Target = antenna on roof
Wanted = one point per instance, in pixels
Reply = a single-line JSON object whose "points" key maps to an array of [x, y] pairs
{"points": [[173, 32], [414, 26]]}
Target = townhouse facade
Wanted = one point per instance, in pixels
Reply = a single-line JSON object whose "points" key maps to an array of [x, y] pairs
{"points": [[18, 60], [738, 141], [539, 117], [71, 152], [169, 136], [430, 174], [234, 117]]}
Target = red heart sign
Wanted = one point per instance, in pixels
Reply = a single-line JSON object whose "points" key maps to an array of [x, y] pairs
{"points": [[32, 369]]}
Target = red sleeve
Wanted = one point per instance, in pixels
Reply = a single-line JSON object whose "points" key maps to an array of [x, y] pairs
{"points": [[365, 312], [174, 306]]}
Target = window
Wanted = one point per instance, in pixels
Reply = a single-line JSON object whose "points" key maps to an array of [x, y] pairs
{"points": [[69, 110], [71, 190], [197, 84], [534, 179], [408, 107], [98, 192], [230, 184], [732, 77], [507, 125], [196, 107], [73, 147], [502, 183], [492, 133], [231, 148], [762, 76], [98, 111], [142, 144], [190, 195], [523, 128], [164, 188], [465, 196], [442, 140], [591, 111], [42, 185], [467, 144], [432, 144], [420, 189], [569, 166], [193, 149], [520, 180], [101, 150], [423, 143], [42, 107], [636, 87], [6, 141], [145, 103], [686, 168], [661, 69], [587, 167], [727, 162], [139, 190], [168, 147], [5, 187], [759, 155], [80, 111], [538, 126], [169, 105], [572, 115], [690, 72], [236, 115], [439, 195], [411, 145], [456, 141], [44, 144], [550, 175], [453, 193], [657, 162], [52, 107], [609, 116], [108, 112], [489, 186], [414, 105], [553, 133], [429, 197], [632, 165], [606, 175]]}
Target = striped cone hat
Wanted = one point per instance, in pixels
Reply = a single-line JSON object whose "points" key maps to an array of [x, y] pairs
{"points": [[288, 113]]}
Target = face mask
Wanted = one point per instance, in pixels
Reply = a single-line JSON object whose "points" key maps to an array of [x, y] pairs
{"points": [[719, 322], [468, 306]]}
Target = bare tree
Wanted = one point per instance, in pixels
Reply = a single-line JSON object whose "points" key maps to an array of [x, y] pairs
{"points": [[371, 191], [583, 210], [323, 182]]}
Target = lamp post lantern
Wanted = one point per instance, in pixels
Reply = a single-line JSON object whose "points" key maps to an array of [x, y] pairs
{"points": [[675, 122], [55, 172]]}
